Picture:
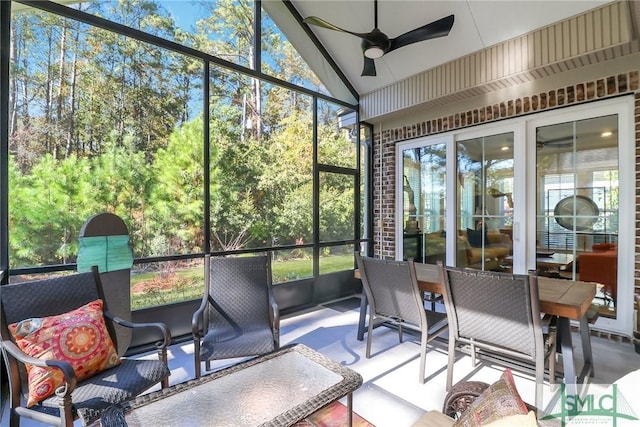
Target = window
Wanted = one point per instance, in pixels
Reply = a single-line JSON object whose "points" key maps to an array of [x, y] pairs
{"points": [[578, 198], [485, 202], [424, 203], [280, 58], [112, 129]]}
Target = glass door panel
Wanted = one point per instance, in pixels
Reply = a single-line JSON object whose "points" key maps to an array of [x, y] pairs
{"points": [[484, 196], [577, 170], [424, 203]]}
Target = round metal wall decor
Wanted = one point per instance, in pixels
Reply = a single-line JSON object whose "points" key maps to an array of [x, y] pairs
{"points": [[585, 211]]}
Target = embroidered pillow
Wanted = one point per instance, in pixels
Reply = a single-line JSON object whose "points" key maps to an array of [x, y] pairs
{"points": [[79, 337], [499, 400]]}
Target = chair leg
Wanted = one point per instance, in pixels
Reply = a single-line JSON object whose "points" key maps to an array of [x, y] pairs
{"points": [[451, 361], [369, 335], [14, 402], [552, 369], [473, 355], [423, 356], [539, 386], [400, 338], [539, 379], [14, 419], [66, 413], [162, 355], [196, 358]]}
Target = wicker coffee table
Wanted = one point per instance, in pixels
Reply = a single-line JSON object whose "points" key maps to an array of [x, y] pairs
{"points": [[276, 389]]}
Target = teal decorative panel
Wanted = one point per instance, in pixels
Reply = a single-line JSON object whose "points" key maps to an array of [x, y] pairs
{"points": [[109, 253]]}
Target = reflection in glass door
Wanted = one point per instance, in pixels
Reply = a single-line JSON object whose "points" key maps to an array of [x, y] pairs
{"points": [[484, 194], [423, 203], [577, 169]]}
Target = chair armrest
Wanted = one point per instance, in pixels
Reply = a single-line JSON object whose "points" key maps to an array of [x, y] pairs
{"points": [[197, 317], [274, 315], [67, 370], [166, 335]]}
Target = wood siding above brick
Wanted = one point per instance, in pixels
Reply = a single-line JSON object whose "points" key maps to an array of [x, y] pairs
{"points": [[583, 40]]}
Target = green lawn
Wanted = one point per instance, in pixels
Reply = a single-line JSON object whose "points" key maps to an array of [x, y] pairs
{"points": [[165, 287]]}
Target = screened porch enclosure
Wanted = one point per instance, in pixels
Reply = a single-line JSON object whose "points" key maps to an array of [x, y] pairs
{"points": [[205, 135]]}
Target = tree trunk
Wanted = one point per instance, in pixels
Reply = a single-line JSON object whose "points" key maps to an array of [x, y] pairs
{"points": [[49, 99], [60, 91], [72, 95], [13, 91]]}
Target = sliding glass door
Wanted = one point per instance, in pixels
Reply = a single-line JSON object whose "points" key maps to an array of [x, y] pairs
{"points": [[578, 188], [423, 198], [583, 169], [484, 194]]}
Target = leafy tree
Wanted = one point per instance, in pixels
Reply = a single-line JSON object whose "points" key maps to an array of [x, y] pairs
{"points": [[287, 182], [121, 183], [46, 213], [176, 208], [238, 209]]}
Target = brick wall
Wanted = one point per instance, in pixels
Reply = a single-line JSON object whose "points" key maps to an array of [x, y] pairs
{"points": [[384, 186]]}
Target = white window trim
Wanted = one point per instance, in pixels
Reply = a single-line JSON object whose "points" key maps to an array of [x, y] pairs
{"points": [[623, 107]]}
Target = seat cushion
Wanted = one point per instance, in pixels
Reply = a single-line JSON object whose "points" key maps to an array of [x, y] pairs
{"points": [[501, 399], [123, 382], [227, 344], [79, 337]]}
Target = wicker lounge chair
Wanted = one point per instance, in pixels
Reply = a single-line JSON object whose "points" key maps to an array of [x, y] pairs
{"points": [[238, 316], [392, 291], [85, 399]]}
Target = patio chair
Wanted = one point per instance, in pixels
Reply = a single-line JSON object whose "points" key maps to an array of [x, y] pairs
{"points": [[392, 291], [67, 318], [238, 316], [500, 314]]}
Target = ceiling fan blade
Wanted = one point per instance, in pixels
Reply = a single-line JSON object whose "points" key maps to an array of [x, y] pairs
{"points": [[369, 68], [439, 28], [314, 20]]}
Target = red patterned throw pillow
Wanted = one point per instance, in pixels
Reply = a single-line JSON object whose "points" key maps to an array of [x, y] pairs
{"points": [[79, 337]]}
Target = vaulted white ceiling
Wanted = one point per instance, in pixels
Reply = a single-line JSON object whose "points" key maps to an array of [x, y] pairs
{"points": [[478, 24]]}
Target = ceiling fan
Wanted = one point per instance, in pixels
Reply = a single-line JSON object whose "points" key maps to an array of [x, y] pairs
{"points": [[375, 44]]}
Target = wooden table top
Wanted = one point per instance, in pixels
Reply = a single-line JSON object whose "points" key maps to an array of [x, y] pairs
{"points": [[558, 297]]}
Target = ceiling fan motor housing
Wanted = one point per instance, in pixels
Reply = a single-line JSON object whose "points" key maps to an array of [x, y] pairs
{"points": [[375, 44]]}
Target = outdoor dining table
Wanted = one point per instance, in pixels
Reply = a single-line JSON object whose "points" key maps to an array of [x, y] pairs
{"points": [[567, 299]]}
